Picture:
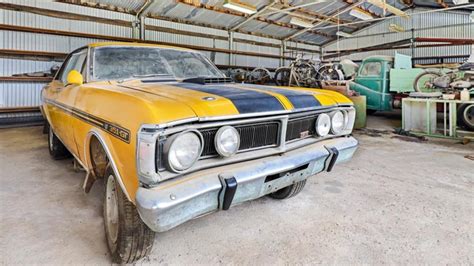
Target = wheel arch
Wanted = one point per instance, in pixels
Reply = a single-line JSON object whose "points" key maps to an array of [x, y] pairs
{"points": [[95, 135]]}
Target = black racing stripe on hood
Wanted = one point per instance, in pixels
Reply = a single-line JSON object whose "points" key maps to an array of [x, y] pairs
{"points": [[299, 99], [246, 101]]}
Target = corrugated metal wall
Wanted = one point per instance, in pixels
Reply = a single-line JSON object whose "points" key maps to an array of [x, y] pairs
{"points": [[17, 94], [438, 25]]}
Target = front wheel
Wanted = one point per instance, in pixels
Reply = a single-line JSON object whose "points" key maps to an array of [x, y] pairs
{"points": [[128, 238], [289, 191]]}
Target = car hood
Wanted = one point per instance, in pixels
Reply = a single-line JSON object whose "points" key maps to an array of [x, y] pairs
{"points": [[224, 99]]}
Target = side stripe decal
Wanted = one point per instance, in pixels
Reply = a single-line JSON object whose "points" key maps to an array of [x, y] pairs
{"points": [[113, 129], [246, 101], [299, 99]]}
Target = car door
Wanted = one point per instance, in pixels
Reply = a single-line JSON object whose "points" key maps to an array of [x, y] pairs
{"points": [[370, 76], [65, 98]]}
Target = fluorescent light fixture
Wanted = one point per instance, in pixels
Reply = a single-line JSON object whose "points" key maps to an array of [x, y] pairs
{"points": [[301, 22], [240, 7], [383, 5], [460, 2], [343, 34], [360, 14], [396, 28]]}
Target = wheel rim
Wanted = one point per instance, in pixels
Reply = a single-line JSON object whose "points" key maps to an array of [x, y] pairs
{"points": [[50, 138], [111, 210], [469, 115], [424, 82]]}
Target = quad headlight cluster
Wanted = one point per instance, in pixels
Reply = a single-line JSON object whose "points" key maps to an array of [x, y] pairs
{"points": [[335, 122], [179, 152]]}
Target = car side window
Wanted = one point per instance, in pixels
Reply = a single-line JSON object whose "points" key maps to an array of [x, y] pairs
{"points": [[75, 62], [371, 69]]}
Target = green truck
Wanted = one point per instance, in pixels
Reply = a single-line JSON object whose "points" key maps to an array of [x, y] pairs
{"points": [[385, 80]]}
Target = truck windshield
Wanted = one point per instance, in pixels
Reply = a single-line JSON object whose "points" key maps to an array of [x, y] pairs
{"points": [[115, 63]]}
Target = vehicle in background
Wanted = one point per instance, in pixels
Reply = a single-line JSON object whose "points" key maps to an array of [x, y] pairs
{"points": [[385, 80]]}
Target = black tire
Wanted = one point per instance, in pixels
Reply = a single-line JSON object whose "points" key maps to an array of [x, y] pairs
{"points": [[371, 112], [128, 238], [289, 191], [56, 148], [466, 116], [282, 76]]}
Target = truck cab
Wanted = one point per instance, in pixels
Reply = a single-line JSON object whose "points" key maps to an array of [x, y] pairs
{"points": [[372, 81], [385, 80]]}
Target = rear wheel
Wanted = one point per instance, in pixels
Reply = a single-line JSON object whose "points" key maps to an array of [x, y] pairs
{"points": [[466, 116], [289, 191], [128, 238], [425, 81], [282, 76], [57, 150]]}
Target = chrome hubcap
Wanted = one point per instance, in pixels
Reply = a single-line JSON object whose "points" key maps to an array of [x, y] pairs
{"points": [[111, 210]]}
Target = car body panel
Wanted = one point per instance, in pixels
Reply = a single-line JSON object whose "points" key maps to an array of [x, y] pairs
{"points": [[115, 111]]}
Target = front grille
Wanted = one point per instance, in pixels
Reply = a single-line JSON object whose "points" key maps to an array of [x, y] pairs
{"points": [[251, 136], [297, 126]]}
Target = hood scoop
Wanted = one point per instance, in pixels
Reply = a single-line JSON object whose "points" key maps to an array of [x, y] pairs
{"points": [[202, 81]]}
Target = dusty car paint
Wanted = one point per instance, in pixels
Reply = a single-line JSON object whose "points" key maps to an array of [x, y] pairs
{"points": [[114, 111]]}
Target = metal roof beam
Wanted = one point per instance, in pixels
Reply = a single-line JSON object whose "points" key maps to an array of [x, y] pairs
{"points": [[257, 18], [357, 3], [265, 8], [303, 13]]}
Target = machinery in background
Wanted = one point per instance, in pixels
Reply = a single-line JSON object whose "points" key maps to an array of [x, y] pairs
{"points": [[453, 83], [308, 73], [451, 80], [300, 73], [386, 80], [259, 75]]}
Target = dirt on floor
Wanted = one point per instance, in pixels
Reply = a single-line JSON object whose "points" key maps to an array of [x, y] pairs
{"points": [[396, 202]]}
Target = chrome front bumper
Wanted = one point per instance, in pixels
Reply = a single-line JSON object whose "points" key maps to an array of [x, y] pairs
{"points": [[174, 202]]}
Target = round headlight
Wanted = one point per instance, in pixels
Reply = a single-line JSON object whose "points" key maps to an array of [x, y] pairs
{"points": [[183, 150], [323, 125], [227, 141], [337, 122]]}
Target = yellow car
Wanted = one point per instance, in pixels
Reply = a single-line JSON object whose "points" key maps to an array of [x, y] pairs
{"points": [[174, 139]]}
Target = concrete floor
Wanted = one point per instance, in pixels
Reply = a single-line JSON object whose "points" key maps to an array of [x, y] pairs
{"points": [[396, 202]]}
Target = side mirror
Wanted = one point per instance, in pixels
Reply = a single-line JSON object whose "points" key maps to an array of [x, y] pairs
{"points": [[74, 77], [54, 69]]}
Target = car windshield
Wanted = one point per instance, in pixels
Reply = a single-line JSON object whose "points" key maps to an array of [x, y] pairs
{"points": [[115, 63]]}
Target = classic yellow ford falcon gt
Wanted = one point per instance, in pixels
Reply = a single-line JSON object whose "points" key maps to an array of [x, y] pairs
{"points": [[174, 139]]}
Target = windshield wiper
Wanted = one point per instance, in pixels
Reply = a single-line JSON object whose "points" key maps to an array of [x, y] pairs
{"points": [[152, 75], [150, 78]]}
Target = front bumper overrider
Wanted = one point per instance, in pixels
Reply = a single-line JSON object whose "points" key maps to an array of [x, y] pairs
{"points": [[176, 201]]}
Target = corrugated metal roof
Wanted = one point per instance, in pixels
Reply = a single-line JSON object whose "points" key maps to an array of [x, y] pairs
{"points": [[277, 24]]}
